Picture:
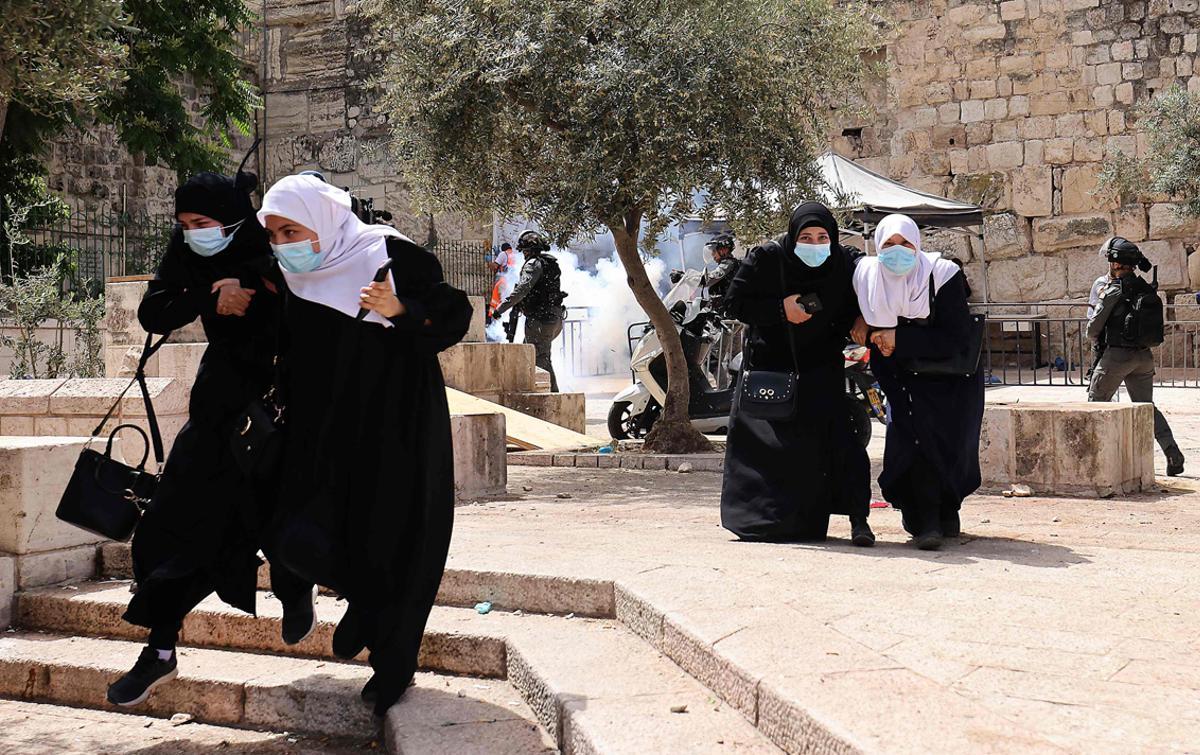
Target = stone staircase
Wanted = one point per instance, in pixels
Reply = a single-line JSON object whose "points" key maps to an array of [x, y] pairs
{"points": [[549, 669]]}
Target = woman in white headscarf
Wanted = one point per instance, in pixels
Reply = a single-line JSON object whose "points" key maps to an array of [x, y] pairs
{"points": [[367, 488], [931, 461]]}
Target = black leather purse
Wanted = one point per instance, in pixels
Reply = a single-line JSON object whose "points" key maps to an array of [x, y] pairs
{"points": [[963, 363], [768, 394], [258, 432], [105, 496]]}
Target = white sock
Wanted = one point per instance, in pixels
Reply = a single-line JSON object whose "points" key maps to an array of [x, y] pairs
{"points": [[164, 655]]}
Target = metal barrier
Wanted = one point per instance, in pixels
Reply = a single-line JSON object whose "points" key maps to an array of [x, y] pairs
{"points": [[465, 265], [1046, 343]]}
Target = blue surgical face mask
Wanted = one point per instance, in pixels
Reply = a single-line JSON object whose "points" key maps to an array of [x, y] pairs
{"points": [[899, 260], [813, 255], [208, 242], [298, 256]]}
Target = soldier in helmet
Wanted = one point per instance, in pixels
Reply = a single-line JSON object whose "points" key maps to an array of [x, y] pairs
{"points": [[538, 295], [1125, 323], [721, 247]]}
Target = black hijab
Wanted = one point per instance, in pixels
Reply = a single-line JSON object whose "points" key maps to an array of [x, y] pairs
{"points": [[227, 200]]}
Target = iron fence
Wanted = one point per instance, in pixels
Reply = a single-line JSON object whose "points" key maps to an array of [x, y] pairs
{"points": [[465, 265]]}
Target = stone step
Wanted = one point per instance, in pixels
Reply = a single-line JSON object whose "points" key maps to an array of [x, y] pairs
{"points": [[592, 684], [44, 728], [567, 410], [506, 591], [277, 694]]}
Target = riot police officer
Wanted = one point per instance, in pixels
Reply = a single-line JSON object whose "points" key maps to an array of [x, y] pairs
{"points": [[721, 248], [539, 296], [1124, 323]]}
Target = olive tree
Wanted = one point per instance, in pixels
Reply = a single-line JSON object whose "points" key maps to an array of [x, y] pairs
{"points": [[1171, 163], [592, 115]]}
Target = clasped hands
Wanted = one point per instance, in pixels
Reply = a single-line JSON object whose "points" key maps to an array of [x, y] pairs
{"points": [[884, 339]]}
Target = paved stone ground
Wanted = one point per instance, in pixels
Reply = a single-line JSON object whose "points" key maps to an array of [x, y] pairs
{"points": [[1053, 625]]}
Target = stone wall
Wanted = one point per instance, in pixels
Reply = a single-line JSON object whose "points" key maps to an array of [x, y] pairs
{"points": [[1016, 105]]}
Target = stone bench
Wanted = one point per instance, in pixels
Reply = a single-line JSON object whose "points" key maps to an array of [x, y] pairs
{"points": [[480, 460], [37, 549], [1088, 449], [73, 407]]}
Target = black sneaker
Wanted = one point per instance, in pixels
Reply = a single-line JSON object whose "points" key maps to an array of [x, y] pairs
{"points": [[300, 618], [1174, 462], [370, 691], [350, 638], [929, 541], [149, 672], [861, 534]]}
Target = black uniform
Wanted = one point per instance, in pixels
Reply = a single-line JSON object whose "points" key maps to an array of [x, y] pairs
{"points": [[539, 296], [368, 472], [719, 282], [202, 530], [783, 479]]}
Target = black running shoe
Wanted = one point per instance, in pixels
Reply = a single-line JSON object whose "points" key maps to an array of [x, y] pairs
{"points": [[861, 534], [350, 637], [149, 672], [929, 541], [1174, 462], [300, 618]]}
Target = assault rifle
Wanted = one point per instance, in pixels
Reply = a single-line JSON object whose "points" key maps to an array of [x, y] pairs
{"points": [[510, 327]]}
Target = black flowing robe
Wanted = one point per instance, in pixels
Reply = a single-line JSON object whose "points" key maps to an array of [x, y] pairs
{"points": [[367, 503], [783, 479], [199, 533], [932, 447]]}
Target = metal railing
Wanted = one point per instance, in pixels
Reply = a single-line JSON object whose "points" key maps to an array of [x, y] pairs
{"points": [[584, 351], [1046, 343], [465, 265]]}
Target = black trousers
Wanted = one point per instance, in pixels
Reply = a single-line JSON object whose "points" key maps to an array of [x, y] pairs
{"points": [[923, 499], [179, 599]]}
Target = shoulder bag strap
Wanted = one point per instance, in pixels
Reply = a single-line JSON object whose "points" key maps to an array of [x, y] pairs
{"points": [[140, 378], [787, 325]]}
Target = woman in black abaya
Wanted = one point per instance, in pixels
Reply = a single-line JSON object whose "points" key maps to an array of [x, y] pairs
{"points": [[783, 479], [200, 533], [931, 461], [368, 477]]}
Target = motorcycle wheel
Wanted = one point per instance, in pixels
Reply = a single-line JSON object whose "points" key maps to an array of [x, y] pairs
{"points": [[860, 421], [624, 425]]}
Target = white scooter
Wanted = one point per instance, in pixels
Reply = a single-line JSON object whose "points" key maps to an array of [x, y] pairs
{"points": [[635, 409]]}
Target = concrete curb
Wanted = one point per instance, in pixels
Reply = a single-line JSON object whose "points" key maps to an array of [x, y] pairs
{"points": [[592, 460]]}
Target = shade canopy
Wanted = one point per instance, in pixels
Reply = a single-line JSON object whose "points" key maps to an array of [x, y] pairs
{"points": [[871, 197]]}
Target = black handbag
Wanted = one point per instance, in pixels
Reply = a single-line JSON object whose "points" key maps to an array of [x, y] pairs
{"points": [[257, 440], [769, 394], [963, 363], [106, 496]]}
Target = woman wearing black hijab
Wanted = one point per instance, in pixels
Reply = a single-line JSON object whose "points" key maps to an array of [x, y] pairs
{"points": [[784, 478], [199, 534]]}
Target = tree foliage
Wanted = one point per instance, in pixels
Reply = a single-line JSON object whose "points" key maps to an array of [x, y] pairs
{"points": [[576, 111], [618, 114], [1171, 164]]}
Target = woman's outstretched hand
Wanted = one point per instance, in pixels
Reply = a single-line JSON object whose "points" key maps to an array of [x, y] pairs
{"points": [[885, 341], [379, 297], [860, 332], [795, 311]]}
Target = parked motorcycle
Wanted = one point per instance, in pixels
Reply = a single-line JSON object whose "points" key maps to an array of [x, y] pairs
{"points": [[713, 373]]}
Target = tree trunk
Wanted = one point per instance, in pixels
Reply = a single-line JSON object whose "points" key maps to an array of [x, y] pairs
{"points": [[673, 432], [3, 114]]}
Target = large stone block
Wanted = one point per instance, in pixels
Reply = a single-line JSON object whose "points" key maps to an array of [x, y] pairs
{"points": [[1167, 222], [1006, 235], [8, 589], [1037, 278], [567, 410], [478, 331], [1079, 190], [1033, 191], [55, 567], [1050, 234], [122, 296], [27, 397], [1093, 449], [33, 475], [1171, 260], [480, 467], [489, 368]]}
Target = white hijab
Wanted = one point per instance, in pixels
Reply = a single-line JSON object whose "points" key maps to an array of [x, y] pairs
{"points": [[884, 296], [353, 250]]}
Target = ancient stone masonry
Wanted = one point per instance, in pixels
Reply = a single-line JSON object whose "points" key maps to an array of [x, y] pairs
{"points": [[319, 111], [1016, 105]]}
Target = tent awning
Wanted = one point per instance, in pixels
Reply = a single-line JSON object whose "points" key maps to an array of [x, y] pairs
{"points": [[871, 196]]}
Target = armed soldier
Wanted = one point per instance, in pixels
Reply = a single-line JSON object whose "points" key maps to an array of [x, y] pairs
{"points": [[721, 247], [538, 295], [1125, 322]]}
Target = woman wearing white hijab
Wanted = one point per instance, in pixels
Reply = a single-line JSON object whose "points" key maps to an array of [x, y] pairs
{"points": [[931, 461], [367, 486]]}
